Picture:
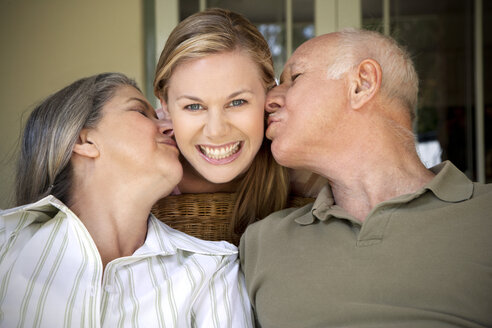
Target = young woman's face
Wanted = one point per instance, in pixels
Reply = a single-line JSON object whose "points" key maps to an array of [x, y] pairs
{"points": [[133, 142], [216, 104]]}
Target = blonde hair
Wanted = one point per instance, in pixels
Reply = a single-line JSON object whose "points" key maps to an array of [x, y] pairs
{"points": [[265, 186], [51, 131], [400, 80]]}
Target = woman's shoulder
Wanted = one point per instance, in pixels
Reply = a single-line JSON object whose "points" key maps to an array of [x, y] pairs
{"points": [[18, 218]]}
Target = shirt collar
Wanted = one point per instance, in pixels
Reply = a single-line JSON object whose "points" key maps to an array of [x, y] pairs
{"points": [[449, 185], [161, 239], [323, 208], [48, 205], [40, 211], [164, 240]]}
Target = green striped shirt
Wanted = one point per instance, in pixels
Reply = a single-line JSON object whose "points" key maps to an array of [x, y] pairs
{"points": [[51, 275]]}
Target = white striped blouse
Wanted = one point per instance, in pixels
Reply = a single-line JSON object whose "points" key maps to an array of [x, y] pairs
{"points": [[51, 275]]}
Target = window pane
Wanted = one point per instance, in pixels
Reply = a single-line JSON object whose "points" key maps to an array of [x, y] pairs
{"points": [[187, 8], [303, 22], [439, 35], [269, 18], [487, 77], [372, 15]]}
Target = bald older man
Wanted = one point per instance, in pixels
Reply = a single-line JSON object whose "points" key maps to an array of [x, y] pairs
{"points": [[388, 243]]}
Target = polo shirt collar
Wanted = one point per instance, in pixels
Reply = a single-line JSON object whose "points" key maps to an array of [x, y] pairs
{"points": [[323, 208], [450, 184]]}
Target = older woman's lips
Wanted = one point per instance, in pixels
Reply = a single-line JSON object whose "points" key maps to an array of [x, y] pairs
{"points": [[169, 142]]}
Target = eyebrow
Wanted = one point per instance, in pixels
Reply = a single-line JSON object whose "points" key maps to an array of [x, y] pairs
{"points": [[190, 98], [148, 107], [237, 93], [232, 95], [143, 102], [298, 65]]}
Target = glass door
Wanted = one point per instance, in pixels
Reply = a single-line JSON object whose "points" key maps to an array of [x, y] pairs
{"points": [[451, 44]]}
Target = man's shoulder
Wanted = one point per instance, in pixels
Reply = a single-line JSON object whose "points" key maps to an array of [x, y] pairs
{"points": [[454, 186], [481, 200], [482, 189], [264, 241]]}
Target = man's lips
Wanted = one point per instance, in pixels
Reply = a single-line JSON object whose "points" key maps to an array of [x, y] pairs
{"points": [[272, 119]]}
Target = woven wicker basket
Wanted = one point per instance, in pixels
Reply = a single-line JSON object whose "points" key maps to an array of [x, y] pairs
{"points": [[207, 215]]}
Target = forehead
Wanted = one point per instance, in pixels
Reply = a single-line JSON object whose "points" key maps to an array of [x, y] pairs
{"points": [[124, 92], [218, 72], [311, 54], [123, 95]]}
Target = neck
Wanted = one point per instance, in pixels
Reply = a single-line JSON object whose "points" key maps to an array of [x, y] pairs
{"points": [[114, 214], [385, 166]]}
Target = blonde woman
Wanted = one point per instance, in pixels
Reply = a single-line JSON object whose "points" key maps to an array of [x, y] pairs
{"points": [[211, 79], [82, 250]]}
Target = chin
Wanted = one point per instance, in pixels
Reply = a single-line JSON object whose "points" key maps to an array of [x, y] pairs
{"points": [[221, 174], [219, 179], [281, 153]]}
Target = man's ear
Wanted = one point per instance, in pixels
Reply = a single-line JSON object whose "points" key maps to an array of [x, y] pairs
{"points": [[366, 83], [162, 112], [84, 147]]}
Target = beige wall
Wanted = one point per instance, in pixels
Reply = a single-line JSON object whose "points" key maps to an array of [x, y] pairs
{"points": [[47, 44]]}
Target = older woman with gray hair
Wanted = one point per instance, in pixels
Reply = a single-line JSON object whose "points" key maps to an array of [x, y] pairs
{"points": [[81, 249]]}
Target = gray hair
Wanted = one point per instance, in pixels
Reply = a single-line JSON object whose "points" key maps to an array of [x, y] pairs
{"points": [[399, 81], [52, 130]]}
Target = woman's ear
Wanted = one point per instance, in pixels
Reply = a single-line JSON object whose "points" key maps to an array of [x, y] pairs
{"points": [[366, 83], [84, 146]]}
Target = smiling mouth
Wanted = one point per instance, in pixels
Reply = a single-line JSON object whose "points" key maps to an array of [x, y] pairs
{"points": [[221, 152]]}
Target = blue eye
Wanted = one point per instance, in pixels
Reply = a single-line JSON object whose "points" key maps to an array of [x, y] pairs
{"points": [[193, 107], [237, 102]]}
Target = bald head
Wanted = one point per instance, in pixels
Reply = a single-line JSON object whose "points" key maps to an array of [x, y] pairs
{"points": [[319, 49], [345, 50]]}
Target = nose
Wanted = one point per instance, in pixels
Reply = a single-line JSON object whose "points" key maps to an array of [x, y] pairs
{"points": [[274, 99], [217, 124], [165, 126]]}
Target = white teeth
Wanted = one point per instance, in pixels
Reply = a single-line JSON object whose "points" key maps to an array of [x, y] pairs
{"points": [[222, 152]]}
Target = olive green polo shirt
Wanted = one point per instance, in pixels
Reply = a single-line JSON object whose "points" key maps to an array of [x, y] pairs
{"points": [[418, 260]]}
